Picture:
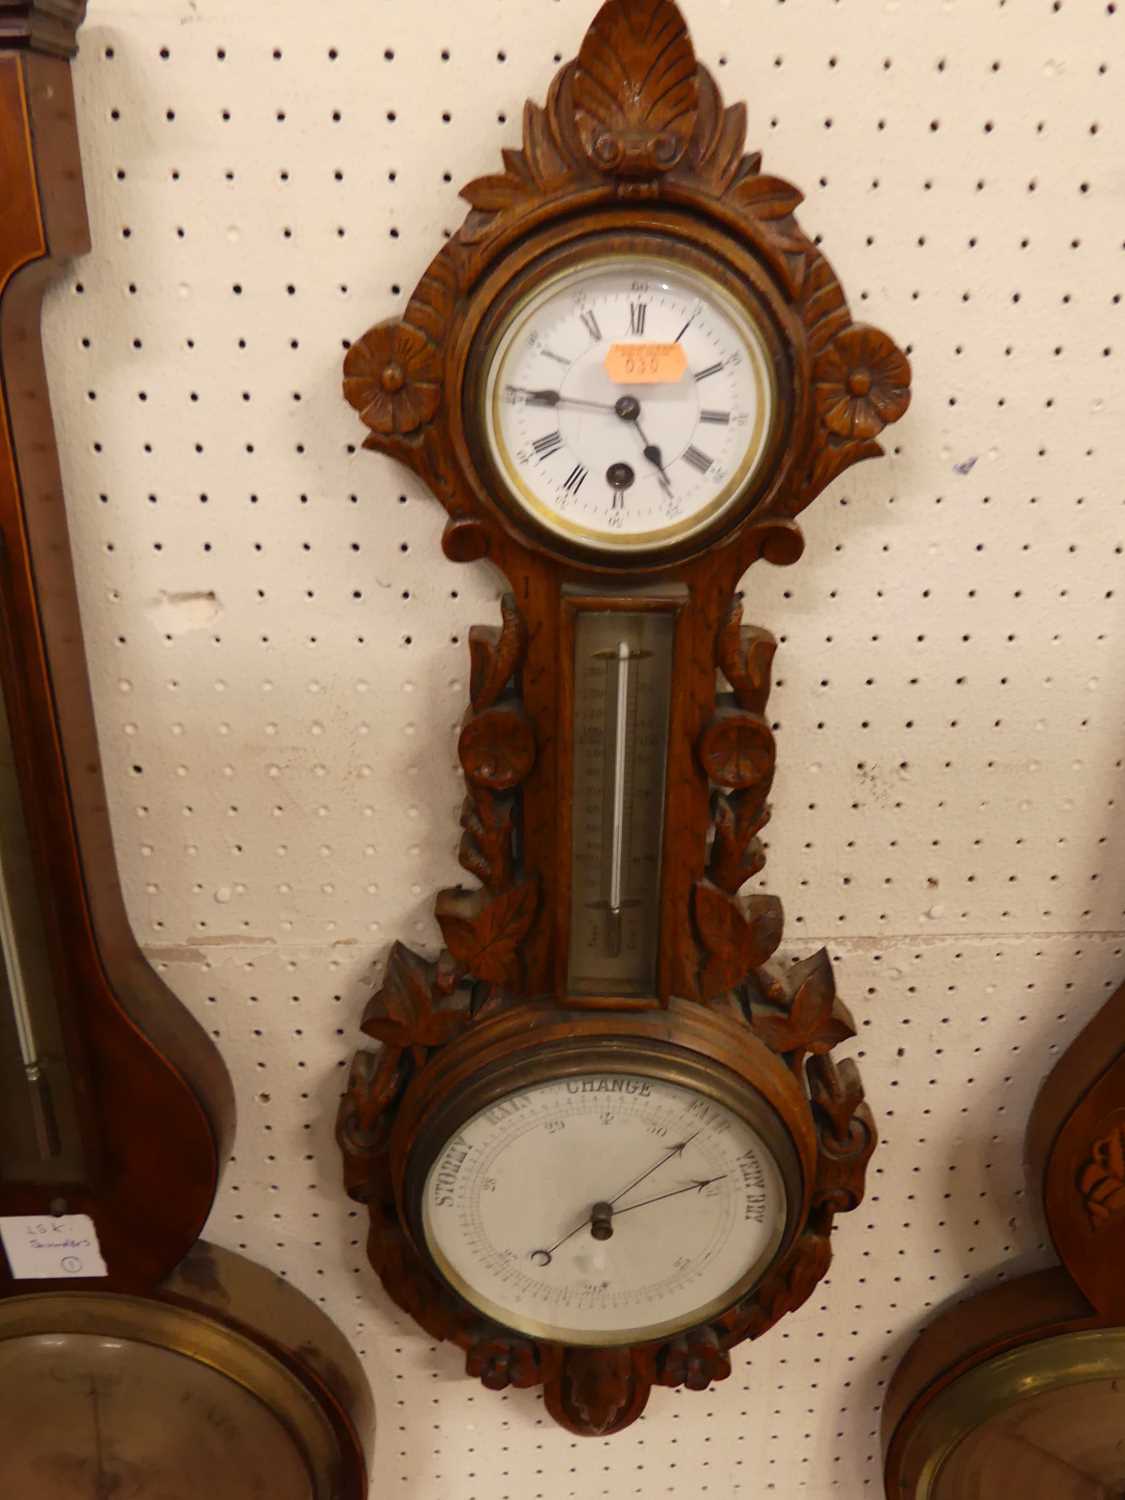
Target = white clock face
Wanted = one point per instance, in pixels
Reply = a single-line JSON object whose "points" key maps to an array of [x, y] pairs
{"points": [[604, 1209], [629, 402]]}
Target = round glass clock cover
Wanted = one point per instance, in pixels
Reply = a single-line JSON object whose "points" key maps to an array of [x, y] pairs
{"points": [[604, 1208], [629, 402]]}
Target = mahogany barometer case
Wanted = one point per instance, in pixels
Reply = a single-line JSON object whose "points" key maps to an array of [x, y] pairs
{"points": [[604, 1138]]}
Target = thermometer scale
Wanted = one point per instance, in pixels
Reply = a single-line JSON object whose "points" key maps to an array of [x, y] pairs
{"points": [[622, 695]]}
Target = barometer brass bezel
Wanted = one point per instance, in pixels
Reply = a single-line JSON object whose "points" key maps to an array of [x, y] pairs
{"points": [[582, 1057]]}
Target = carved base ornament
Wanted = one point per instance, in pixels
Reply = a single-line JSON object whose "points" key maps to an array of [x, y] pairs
{"points": [[605, 1138]]}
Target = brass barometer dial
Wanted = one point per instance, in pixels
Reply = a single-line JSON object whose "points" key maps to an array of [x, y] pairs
{"points": [[109, 1395], [607, 1208]]}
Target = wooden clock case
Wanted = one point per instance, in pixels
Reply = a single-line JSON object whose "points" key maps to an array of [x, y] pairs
{"points": [[1050, 1330], [633, 151]]}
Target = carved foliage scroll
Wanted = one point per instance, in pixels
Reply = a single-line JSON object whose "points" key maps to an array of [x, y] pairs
{"points": [[1101, 1181], [423, 1003], [736, 752]]}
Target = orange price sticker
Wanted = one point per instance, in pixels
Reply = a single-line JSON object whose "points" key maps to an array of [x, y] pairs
{"points": [[645, 364]]}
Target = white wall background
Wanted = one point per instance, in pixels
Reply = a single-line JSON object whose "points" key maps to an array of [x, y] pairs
{"points": [[278, 646]]}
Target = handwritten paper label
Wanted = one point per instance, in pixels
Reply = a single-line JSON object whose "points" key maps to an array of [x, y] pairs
{"points": [[40, 1248], [645, 364]]}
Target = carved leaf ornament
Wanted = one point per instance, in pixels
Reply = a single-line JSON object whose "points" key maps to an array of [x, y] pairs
{"points": [[1102, 1179], [635, 89]]}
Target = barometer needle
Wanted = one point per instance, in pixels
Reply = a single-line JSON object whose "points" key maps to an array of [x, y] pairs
{"points": [[692, 1187], [677, 1150], [544, 1257]]}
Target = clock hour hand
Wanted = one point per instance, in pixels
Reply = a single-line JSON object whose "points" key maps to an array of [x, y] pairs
{"points": [[653, 454]]}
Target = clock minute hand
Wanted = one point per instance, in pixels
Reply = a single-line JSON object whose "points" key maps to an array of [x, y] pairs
{"points": [[556, 398]]}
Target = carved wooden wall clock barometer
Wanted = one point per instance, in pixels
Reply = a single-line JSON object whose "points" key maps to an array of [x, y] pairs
{"points": [[604, 1140]]}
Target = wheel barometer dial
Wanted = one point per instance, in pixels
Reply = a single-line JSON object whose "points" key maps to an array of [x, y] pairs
{"points": [[607, 1208], [605, 1138]]}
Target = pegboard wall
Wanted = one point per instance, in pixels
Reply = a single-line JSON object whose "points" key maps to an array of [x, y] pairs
{"points": [[278, 646]]}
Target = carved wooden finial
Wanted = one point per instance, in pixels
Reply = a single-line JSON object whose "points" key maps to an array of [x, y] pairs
{"points": [[636, 95]]}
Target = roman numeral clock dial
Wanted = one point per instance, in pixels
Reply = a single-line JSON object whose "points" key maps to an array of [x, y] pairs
{"points": [[628, 402], [605, 1138]]}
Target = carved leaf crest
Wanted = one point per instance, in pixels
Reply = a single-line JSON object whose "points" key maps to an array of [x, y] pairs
{"points": [[817, 1019], [495, 655], [486, 846], [735, 941], [484, 933], [635, 88], [745, 655], [546, 165], [417, 1005], [737, 853], [720, 138]]}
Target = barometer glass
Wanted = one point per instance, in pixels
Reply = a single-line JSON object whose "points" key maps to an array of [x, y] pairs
{"points": [[604, 1208], [89, 1415], [629, 402], [39, 1137]]}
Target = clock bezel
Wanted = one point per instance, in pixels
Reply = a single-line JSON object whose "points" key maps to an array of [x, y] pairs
{"points": [[761, 359], [554, 253]]}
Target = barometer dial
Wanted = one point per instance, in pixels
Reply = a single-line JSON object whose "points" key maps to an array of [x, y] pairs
{"points": [[628, 402], [177, 1395], [604, 1208]]}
